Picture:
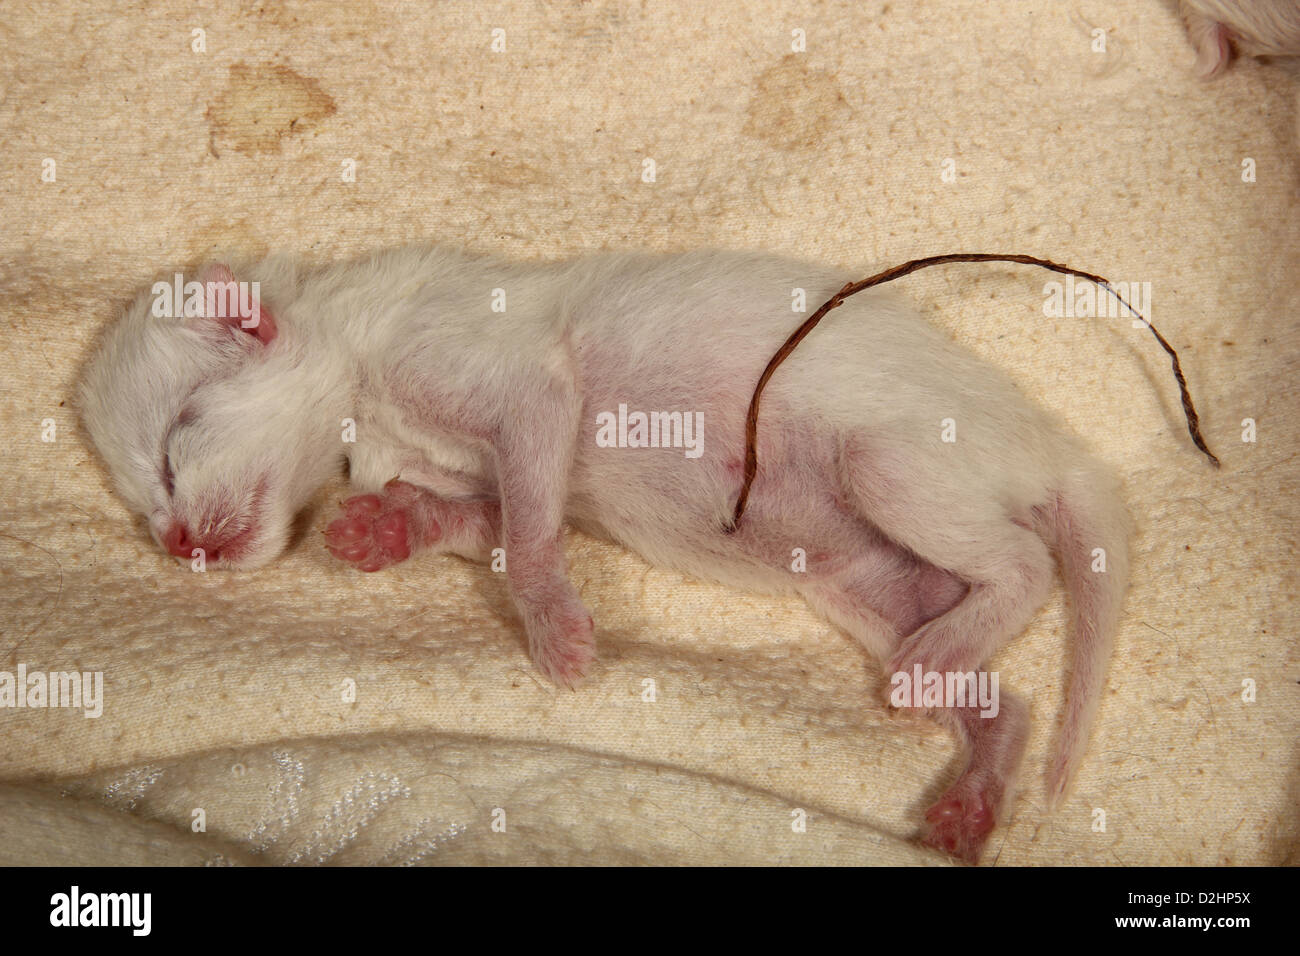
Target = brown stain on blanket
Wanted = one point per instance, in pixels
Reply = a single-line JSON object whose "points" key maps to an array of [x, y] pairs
{"points": [[793, 106], [261, 105]]}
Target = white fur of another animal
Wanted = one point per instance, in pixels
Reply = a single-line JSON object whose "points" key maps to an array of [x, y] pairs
{"points": [[476, 429], [1251, 27]]}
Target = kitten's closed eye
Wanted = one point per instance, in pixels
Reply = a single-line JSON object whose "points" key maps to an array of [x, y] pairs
{"points": [[186, 415]]}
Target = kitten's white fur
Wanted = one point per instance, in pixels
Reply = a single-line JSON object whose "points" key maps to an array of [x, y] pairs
{"points": [[927, 551]]}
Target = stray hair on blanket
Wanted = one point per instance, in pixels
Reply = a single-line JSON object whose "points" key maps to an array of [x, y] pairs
{"points": [[907, 268]]}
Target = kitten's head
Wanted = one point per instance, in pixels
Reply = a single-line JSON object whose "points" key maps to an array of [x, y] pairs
{"points": [[176, 401]]}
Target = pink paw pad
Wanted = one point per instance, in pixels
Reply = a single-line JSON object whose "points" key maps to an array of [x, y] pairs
{"points": [[373, 533], [960, 825]]}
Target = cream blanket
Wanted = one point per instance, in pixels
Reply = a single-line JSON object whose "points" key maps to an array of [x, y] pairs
{"points": [[310, 713]]}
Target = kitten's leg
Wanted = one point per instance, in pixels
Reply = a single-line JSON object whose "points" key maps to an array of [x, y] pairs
{"points": [[1008, 572], [1007, 587], [533, 457], [961, 820], [876, 604], [956, 527], [525, 421]]}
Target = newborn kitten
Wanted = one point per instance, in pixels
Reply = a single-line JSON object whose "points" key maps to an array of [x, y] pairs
{"points": [[494, 401]]}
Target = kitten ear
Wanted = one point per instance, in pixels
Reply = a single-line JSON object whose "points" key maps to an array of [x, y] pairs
{"points": [[230, 305]]}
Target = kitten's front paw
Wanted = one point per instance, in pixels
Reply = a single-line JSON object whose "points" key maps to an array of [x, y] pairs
{"points": [[563, 644], [374, 532]]}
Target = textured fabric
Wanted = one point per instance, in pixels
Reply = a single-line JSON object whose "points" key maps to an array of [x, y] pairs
{"points": [[233, 693]]}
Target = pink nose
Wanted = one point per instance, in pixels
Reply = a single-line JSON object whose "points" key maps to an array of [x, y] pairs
{"points": [[178, 541]]}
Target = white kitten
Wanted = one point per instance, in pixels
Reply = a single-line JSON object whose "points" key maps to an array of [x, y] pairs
{"points": [[494, 400]]}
